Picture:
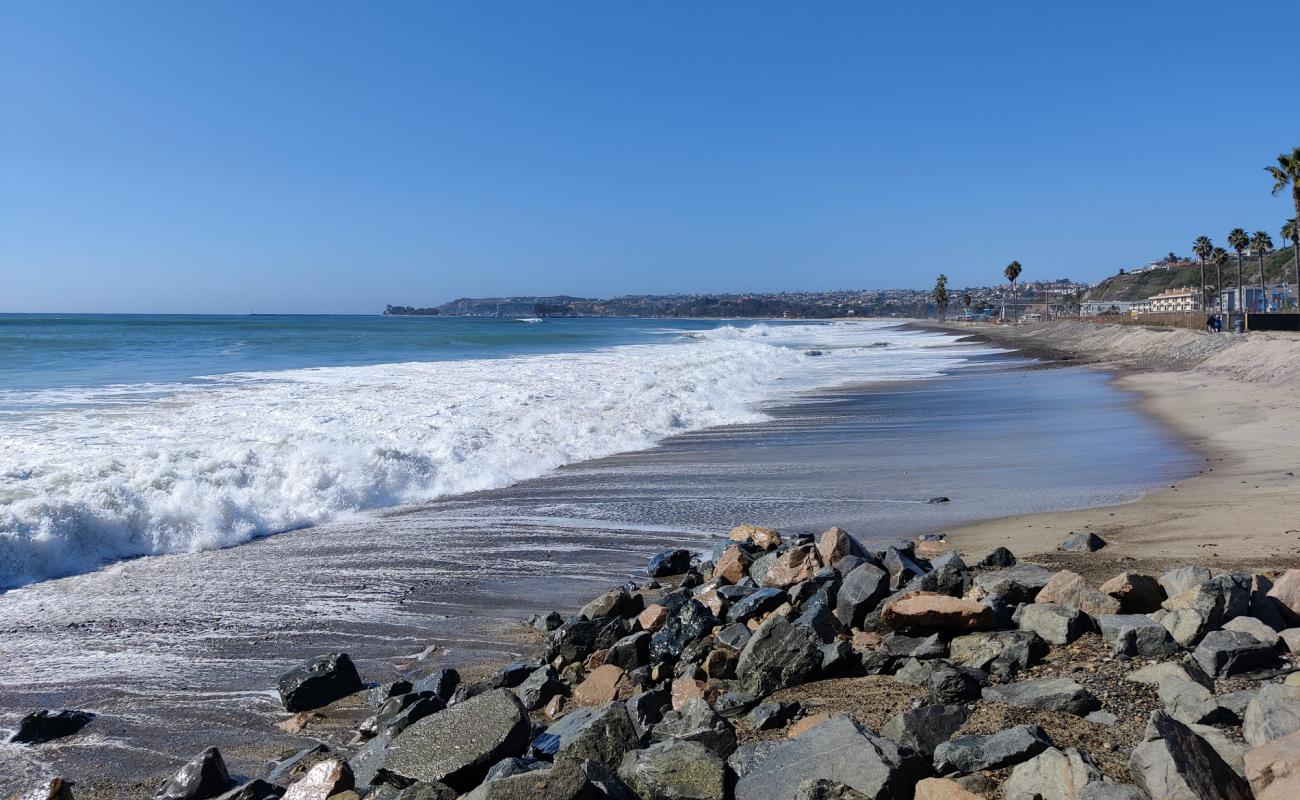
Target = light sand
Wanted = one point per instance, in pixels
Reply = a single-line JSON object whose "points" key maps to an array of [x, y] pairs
{"points": [[1238, 406]]}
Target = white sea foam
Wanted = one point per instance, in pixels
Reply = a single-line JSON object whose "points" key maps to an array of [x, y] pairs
{"points": [[125, 471]]}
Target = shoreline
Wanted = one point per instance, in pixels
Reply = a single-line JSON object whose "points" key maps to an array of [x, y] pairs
{"points": [[1235, 511]]}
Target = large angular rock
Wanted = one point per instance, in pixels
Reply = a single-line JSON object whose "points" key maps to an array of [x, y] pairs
{"points": [[1136, 593], [1274, 713], [733, 566], [1046, 694], [860, 593], [1105, 790], [943, 789], [602, 734], [602, 685], [1000, 653], [1180, 765], [1018, 584], [669, 562], [1273, 769], [838, 749], [793, 566], [1225, 653], [926, 727], [326, 779], [1054, 624], [456, 746], [616, 602], [699, 723], [1177, 581], [543, 684], [586, 780], [398, 712], [948, 684], [1185, 669], [1136, 635], [835, 544], [675, 770], [1070, 589], [256, 789], [760, 537], [998, 558], [1206, 606], [44, 726], [966, 754], [901, 565], [938, 611], [319, 682], [1188, 702], [1051, 775], [948, 575], [1255, 628], [690, 623], [1082, 543], [778, 655], [756, 604], [1286, 596], [201, 778]]}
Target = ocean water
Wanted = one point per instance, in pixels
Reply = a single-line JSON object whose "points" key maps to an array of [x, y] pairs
{"points": [[140, 435]]}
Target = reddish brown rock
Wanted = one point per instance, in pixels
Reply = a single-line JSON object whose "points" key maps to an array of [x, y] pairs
{"points": [[714, 602], [1273, 769], [596, 659], [794, 565], [1136, 593], [686, 689], [327, 778], [653, 618], [933, 610], [733, 566], [942, 789], [833, 545], [1286, 595], [806, 724], [603, 685], [762, 538], [1070, 589]]}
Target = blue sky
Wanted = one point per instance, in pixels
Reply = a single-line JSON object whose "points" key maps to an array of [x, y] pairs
{"points": [[334, 157]]}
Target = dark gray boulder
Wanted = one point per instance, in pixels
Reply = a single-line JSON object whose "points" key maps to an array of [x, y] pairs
{"points": [[45, 725], [756, 604], [1180, 764], [1226, 653], [966, 754], [948, 575], [768, 716], [1018, 584], [689, 624], [1000, 653], [860, 592], [646, 709], [319, 682], [573, 641], [901, 565], [456, 746], [919, 647], [598, 733], [675, 770], [441, 684], [585, 780], [507, 767], [838, 749], [998, 558], [669, 562], [734, 636], [616, 602], [1105, 790], [778, 655], [539, 687], [1053, 623], [630, 652], [1046, 694], [201, 778], [1274, 712], [1136, 635], [1082, 543], [926, 727], [697, 722], [257, 789], [730, 705], [948, 684], [407, 707]]}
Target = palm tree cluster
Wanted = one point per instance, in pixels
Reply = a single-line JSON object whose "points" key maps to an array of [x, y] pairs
{"points": [[1011, 273], [941, 295]]}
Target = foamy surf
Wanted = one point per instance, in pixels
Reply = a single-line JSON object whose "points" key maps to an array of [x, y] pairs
{"points": [[123, 471]]}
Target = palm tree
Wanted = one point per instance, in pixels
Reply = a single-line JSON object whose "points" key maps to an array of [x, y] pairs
{"points": [[1239, 241], [1291, 230], [1287, 173], [1262, 244], [1012, 272], [966, 300], [941, 295], [1218, 258], [1202, 247]]}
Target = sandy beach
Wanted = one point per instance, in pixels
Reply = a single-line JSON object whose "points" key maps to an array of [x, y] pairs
{"points": [[1232, 399]]}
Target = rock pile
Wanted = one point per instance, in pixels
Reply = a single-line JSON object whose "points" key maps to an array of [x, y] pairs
{"points": [[1000, 680]]}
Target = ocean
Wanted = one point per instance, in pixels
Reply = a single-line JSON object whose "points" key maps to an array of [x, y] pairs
{"points": [[141, 435]]}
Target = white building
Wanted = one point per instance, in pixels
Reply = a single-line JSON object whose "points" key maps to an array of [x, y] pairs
{"points": [[1093, 308], [1173, 301]]}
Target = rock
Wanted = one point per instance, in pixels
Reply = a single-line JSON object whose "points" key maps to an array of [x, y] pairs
{"points": [[542, 685], [1186, 669], [1225, 653], [508, 767], [398, 712], [835, 544], [669, 562], [838, 750], [859, 594], [901, 566], [948, 575], [1105, 790], [1285, 594], [1189, 703], [762, 538], [1136, 635], [1047, 694], [326, 779], [602, 734], [756, 604], [720, 663], [1054, 624], [387, 691], [1177, 581], [567, 781], [794, 565], [45, 725], [319, 682], [685, 690], [646, 709], [1136, 593], [1082, 543], [1018, 584], [602, 685], [299, 764], [926, 727], [441, 684], [1273, 769], [1234, 704], [998, 557], [690, 623], [204, 777], [1103, 718], [1000, 653], [733, 566], [52, 789], [1051, 775], [767, 716], [919, 647], [1274, 713], [1070, 589], [966, 754], [257, 789], [734, 636], [778, 655], [948, 684], [802, 726], [730, 705], [1180, 764], [675, 770], [931, 610], [1262, 607], [653, 617], [546, 622], [456, 746], [630, 652], [1255, 628], [1206, 606], [614, 603], [699, 723], [943, 789]]}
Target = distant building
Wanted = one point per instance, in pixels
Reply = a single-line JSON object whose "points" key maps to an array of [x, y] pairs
{"points": [[1172, 301], [1093, 308]]}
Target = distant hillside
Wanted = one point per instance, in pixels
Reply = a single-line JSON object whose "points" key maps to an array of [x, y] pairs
{"points": [[1141, 285]]}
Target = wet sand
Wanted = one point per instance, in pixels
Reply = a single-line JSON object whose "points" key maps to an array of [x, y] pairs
{"points": [[176, 653]]}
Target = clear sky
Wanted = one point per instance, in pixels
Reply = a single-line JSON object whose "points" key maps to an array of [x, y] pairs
{"points": [[334, 157]]}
